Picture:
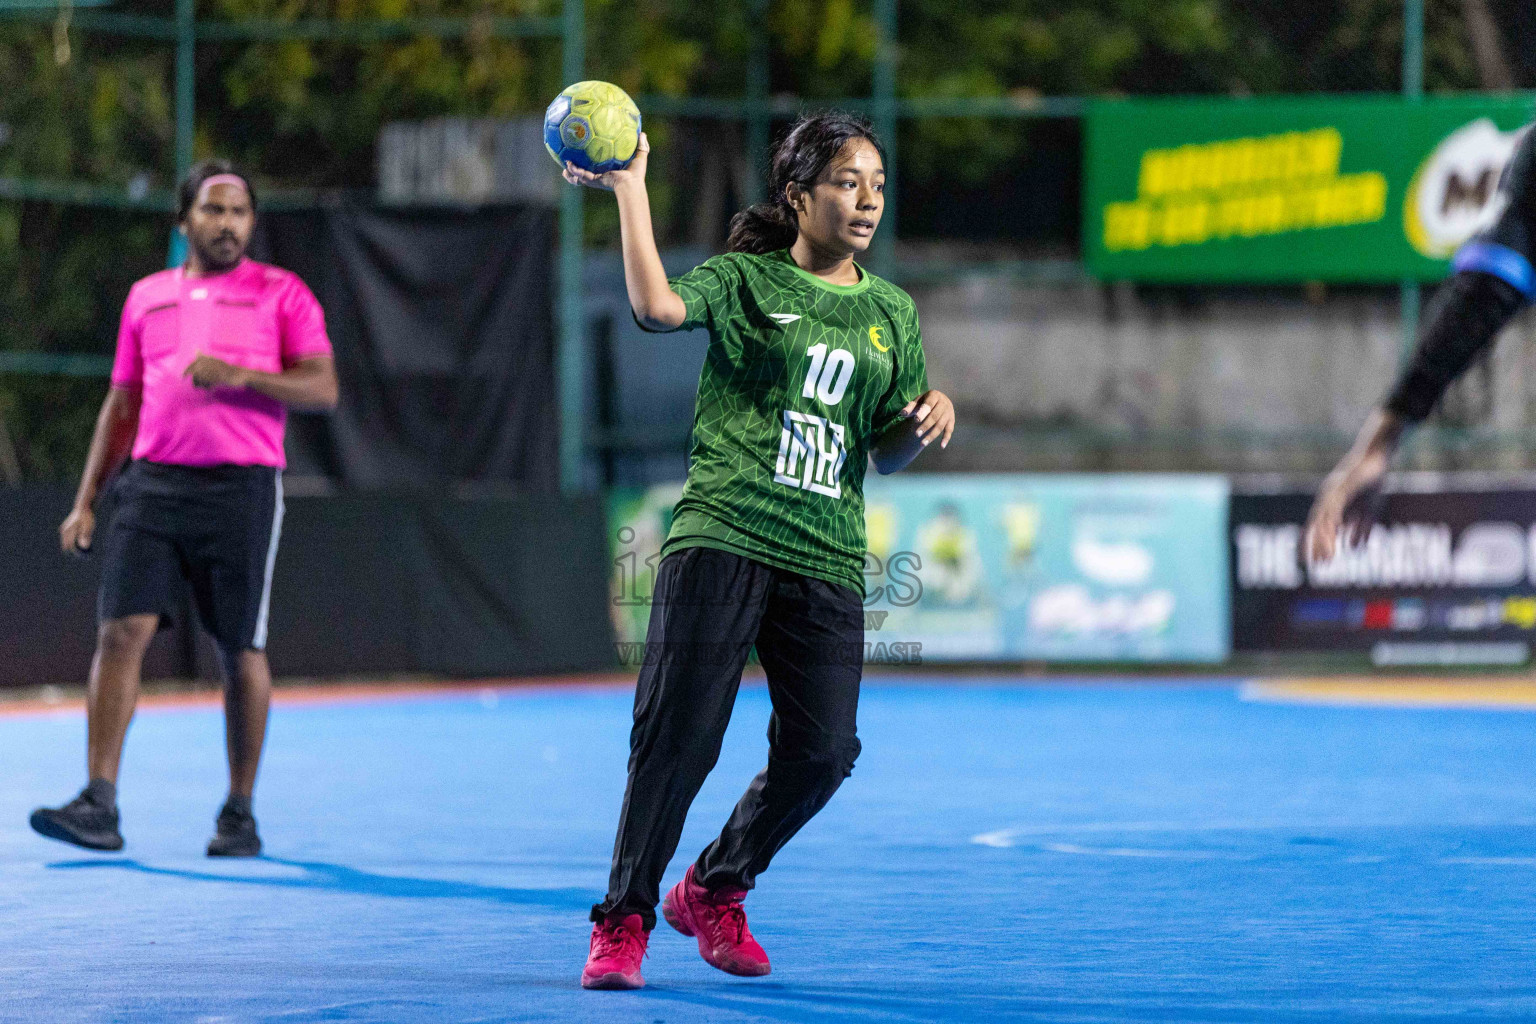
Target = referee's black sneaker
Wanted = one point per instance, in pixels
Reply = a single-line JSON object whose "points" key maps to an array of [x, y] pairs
{"points": [[88, 820], [236, 831]]}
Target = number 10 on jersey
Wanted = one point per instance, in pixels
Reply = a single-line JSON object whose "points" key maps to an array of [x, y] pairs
{"points": [[828, 377]]}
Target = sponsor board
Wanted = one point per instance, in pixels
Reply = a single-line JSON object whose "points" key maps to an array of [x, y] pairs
{"points": [[1438, 568], [1008, 567], [1292, 189]]}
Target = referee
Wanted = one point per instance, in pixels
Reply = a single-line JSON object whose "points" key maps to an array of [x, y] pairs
{"points": [[210, 356]]}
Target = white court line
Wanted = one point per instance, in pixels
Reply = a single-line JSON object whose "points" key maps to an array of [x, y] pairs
{"points": [[1122, 851], [1004, 838]]}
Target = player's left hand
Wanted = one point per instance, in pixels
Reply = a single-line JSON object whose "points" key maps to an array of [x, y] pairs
{"points": [[208, 372], [934, 415]]}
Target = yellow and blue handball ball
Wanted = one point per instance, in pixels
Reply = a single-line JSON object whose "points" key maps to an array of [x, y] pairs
{"points": [[594, 125]]}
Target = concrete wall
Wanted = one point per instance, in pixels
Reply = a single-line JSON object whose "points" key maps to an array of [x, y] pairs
{"points": [[1117, 377]]}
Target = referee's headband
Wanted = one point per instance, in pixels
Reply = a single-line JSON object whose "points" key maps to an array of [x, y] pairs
{"points": [[221, 179]]}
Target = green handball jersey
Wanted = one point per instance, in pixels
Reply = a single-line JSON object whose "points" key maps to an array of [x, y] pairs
{"points": [[800, 378]]}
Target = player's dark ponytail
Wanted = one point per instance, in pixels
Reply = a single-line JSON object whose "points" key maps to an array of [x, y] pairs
{"points": [[763, 227], [801, 156]]}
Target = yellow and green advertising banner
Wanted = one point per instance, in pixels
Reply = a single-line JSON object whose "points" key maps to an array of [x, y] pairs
{"points": [[1369, 189]]}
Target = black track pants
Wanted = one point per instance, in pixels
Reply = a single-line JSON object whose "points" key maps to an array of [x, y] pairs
{"points": [[710, 608]]}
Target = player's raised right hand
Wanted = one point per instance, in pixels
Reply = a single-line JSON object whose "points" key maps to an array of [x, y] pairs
{"points": [[610, 180], [77, 530]]}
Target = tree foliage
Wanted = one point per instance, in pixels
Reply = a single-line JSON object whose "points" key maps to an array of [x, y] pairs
{"points": [[306, 113]]}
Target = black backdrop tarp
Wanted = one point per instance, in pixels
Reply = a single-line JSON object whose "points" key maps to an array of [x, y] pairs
{"points": [[442, 322], [364, 584], [515, 585], [48, 598]]}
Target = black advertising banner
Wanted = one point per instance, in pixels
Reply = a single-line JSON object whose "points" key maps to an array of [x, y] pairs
{"points": [[1446, 575]]}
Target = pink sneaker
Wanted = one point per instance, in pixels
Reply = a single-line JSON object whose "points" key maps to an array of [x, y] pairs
{"points": [[720, 924], [618, 946]]}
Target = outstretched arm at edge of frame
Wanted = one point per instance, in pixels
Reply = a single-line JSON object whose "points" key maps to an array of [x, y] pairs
{"points": [[1467, 314]]}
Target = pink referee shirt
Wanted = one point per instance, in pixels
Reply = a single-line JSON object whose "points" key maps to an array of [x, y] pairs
{"points": [[256, 316]]}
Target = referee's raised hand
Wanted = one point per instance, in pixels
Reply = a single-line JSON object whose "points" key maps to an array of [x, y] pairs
{"points": [[208, 372]]}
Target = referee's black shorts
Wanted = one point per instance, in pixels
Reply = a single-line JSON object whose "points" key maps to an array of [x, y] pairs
{"points": [[214, 529]]}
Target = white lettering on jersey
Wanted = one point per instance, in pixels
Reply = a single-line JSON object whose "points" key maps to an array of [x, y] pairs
{"points": [[811, 454]]}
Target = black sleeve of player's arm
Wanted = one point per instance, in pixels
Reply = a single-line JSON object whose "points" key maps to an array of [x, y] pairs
{"points": [[1466, 315]]}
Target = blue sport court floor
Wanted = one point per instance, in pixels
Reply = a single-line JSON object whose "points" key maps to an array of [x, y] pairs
{"points": [[1062, 851]]}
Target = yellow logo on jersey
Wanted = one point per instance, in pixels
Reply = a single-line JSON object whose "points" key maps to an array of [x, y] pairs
{"points": [[874, 339]]}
